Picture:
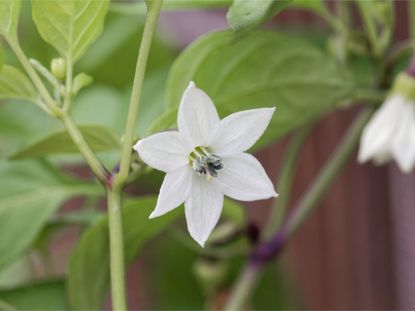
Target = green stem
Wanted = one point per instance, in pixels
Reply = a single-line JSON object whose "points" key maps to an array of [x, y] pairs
{"points": [[127, 145], [285, 182], [68, 85], [115, 191], [244, 289], [51, 107], [84, 148], [246, 284], [116, 251], [328, 173]]}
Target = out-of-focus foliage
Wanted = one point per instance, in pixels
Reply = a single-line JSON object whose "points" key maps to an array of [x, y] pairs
{"points": [[88, 282], [9, 12], [98, 137], [41, 296], [262, 69], [15, 84], [244, 15], [30, 193]]}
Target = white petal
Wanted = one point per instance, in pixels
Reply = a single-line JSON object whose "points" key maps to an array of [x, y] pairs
{"points": [[164, 151], [173, 191], [203, 208], [197, 118], [239, 131], [243, 178], [403, 146], [377, 136]]}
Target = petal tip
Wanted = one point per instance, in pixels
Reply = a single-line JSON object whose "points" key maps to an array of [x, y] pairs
{"points": [[191, 85], [137, 145]]}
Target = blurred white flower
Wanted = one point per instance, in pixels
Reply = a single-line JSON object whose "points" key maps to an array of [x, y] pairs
{"points": [[205, 160], [391, 131]]}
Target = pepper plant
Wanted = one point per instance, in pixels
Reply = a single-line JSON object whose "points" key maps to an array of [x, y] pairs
{"points": [[69, 103]]}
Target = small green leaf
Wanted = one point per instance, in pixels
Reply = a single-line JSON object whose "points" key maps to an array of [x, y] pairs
{"points": [[42, 296], [99, 138], [262, 69], [14, 84], [88, 281], [71, 25], [30, 192], [312, 5], [248, 14], [9, 16]]}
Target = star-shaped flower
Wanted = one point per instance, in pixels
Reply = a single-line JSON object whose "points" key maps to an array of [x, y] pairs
{"points": [[205, 160], [391, 134]]}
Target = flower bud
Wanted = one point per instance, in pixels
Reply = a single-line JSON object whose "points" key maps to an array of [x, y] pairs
{"points": [[404, 85], [58, 67], [210, 273]]}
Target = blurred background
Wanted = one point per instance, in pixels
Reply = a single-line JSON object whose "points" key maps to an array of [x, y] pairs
{"points": [[356, 252]]}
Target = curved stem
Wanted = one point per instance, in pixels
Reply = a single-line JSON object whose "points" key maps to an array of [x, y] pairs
{"points": [[127, 145], [85, 149], [43, 91], [244, 289], [116, 251], [285, 182], [304, 209]]}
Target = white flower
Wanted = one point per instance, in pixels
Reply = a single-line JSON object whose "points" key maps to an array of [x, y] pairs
{"points": [[205, 160], [391, 134]]}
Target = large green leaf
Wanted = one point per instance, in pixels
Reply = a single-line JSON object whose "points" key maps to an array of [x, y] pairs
{"points": [[71, 25], [9, 15], [262, 69], [14, 84], [88, 281], [98, 137], [30, 192], [312, 5], [248, 14], [42, 296]]}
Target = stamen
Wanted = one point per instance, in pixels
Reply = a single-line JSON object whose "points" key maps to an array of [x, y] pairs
{"points": [[205, 164]]}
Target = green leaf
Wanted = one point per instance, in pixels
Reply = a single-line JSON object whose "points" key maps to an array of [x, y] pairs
{"points": [[16, 273], [14, 84], [9, 15], [30, 193], [248, 14], [312, 5], [262, 69], [98, 137], [42, 296], [88, 281], [1, 57], [71, 25]]}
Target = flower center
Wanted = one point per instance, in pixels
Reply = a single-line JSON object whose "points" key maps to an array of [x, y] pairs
{"points": [[205, 163]]}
